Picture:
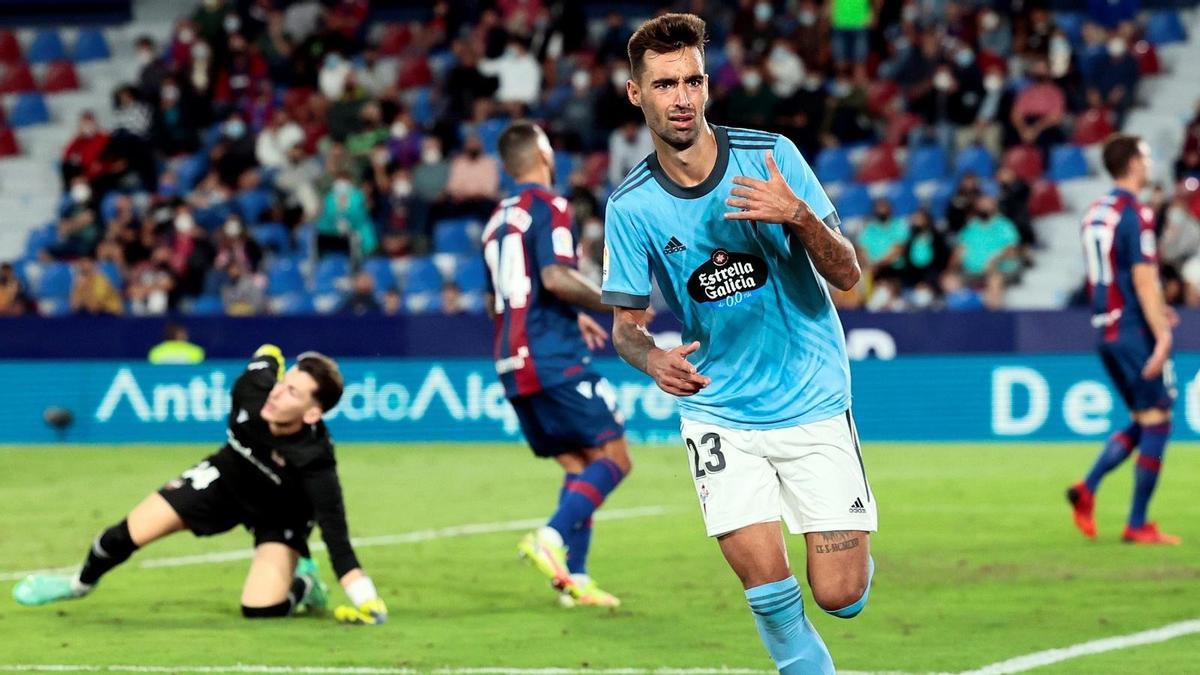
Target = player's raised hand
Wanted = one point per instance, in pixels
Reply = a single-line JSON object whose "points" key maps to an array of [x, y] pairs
{"points": [[594, 335], [673, 373], [767, 201]]}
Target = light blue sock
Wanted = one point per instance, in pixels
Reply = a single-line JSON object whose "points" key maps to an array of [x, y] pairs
{"points": [[787, 634], [852, 610]]}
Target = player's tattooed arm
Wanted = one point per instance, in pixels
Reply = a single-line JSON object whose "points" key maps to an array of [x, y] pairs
{"points": [[831, 253], [671, 370]]}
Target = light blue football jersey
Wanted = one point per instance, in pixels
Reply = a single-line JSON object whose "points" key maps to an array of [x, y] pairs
{"points": [[769, 335]]}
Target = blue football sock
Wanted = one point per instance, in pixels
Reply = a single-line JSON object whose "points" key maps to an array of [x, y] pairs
{"points": [[790, 639], [854, 609], [1116, 450], [584, 495], [1149, 463], [579, 538]]}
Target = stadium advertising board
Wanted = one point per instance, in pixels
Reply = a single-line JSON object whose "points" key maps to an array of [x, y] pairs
{"points": [[392, 400]]}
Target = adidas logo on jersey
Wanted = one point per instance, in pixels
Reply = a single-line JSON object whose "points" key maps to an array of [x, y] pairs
{"points": [[857, 507], [674, 246]]}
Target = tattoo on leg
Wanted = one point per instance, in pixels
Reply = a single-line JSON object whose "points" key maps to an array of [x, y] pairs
{"points": [[837, 540]]}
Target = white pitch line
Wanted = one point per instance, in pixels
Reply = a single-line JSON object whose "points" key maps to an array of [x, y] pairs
{"points": [[364, 542], [370, 670], [1021, 664]]}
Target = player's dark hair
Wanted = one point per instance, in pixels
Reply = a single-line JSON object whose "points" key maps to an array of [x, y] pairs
{"points": [[518, 146], [328, 377], [665, 34], [1119, 151], [175, 331]]}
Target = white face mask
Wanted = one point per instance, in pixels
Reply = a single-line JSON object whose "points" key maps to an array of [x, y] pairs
{"points": [[233, 228], [80, 193], [619, 77], [1116, 48], [232, 23], [201, 52], [763, 11], [341, 186], [752, 80], [401, 188], [184, 223], [145, 57], [593, 230], [807, 17], [170, 94], [993, 82], [399, 129], [921, 297], [580, 80], [431, 155], [186, 36], [943, 81], [991, 21]]}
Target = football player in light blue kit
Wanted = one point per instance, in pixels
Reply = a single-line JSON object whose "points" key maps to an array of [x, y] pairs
{"points": [[742, 239]]}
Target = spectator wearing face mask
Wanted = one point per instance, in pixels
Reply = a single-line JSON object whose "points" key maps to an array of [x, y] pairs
{"points": [[881, 244], [627, 146], [926, 253], [962, 202], [370, 133], [93, 292], [83, 155], [152, 284], [191, 254], [1115, 83], [995, 33], [1013, 202], [236, 246], [810, 36], [752, 104], [848, 119], [404, 139], [152, 69], [79, 227], [801, 114], [429, 178], [361, 300], [234, 153], [176, 130], [985, 127], [345, 224], [473, 185], [987, 246], [1038, 111], [242, 293]]}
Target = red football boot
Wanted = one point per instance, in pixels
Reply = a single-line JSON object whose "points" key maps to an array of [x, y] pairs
{"points": [[1083, 502], [1148, 534]]}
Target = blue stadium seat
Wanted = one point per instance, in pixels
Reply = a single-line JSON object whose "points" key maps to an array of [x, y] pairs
{"points": [[109, 269], [902, 198], [974, 159], [927, 162], [854, 201], [108, 205], [834, 166], [471, 274], [1066, 162], [27, 110], [564, 166], [55, 281], [272, 236], [489, 133], [1071, 24], [423, 303], [422, 276], [90, 45], [328, 302], [40, 238], [47, 46], [212, 217], [1164, 27], [422, 106], [306, 240], [207, 305], [472, 303], [251, 204], [292, 304], [283, 277], [191, 170], [454, 236], [380, 270], [330, 270]]}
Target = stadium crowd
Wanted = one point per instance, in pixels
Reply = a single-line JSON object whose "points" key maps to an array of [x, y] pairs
{"points": [[294, 157]]}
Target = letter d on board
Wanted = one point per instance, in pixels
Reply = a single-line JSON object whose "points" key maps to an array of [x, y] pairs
{"points": [[1005, 421]]}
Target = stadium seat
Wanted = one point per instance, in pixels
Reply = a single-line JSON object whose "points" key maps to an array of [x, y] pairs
{"points": [[902, 198], [284, 277], [879, 94], [380, 270], [55, 281], [1044, 199], [109, 269], [331, 274], [272, 236], [60, 76], [422, 106], [854, 201], [327, 303], [1164, 27], [989, 60], [1066, 162], [834, 166], [939, 200], [47, 46], [16, 78], [27, 110], [422, 276], [251, 204], [191, 170], [10, 47], [454, 236], [207, 305], [879, 164], [470, 275], [1092, 126], [394, 39], [489, 133], [1147, 58], [8, 143], [1071, 24], [212, 217], [1025, 161], [291, 304], [423, 303], [40, 238], [927, 162], [899, 125], [90, 45], [974, 159]]}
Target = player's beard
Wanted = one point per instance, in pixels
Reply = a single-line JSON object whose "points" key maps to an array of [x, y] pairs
{"points": [[679, 139]]}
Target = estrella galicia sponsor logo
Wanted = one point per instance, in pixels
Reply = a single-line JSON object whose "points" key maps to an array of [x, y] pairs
{"points": [[725, 274]]}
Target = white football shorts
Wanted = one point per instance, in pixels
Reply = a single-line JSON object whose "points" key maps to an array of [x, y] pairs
{"points": [[811, 476]]}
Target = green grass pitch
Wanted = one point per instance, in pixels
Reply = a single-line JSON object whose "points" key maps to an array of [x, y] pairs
{"points": [[977, 563]]}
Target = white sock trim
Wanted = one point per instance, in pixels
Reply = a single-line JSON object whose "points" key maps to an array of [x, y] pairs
{"points": [[361, 591], [550, 535]]}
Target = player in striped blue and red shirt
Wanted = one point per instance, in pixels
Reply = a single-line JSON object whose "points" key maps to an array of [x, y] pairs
{"points": [[1135, 326], [543, 343]]}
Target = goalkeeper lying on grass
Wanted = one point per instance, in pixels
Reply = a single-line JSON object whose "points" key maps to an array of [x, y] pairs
{"points": [[275, 475]]}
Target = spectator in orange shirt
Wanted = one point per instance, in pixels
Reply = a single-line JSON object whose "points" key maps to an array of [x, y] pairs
{"points": [[93, 292]]}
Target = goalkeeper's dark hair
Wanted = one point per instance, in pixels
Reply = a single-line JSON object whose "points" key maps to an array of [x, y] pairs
{"points": [[665, 34], [518, 147], [328, 377]]}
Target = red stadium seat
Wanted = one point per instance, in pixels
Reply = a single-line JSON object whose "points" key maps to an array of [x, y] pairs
{"points": [[898, 126], [1025, 161], [8, 143], [16, 78], [1092, 126], [1044, 199], [395, 39], [296, 98], [880, 93], [60, 76], [1147, 58], [989, 60], [10, 49], [414, 72], [879, 165]]}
